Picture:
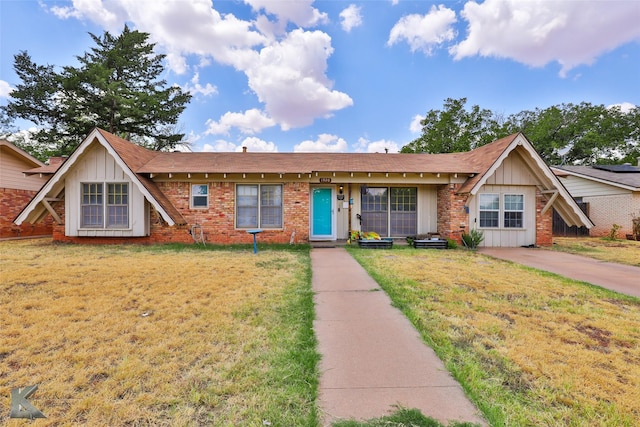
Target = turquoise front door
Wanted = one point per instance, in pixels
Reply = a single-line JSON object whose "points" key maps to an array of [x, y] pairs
{"points": [[322, 214]]}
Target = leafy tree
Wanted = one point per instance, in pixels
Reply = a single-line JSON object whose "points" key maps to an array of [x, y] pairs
{"points": [[568, 133], [117, 87], [579, 133], [454, 129]]}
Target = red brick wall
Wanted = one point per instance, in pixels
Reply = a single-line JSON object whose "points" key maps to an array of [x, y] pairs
{"points": [[12, 202], [218, 221], [544, 223], [451, 212]]}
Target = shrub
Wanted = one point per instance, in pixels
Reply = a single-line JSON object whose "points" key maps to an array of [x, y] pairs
{"points": [[473, 239]]}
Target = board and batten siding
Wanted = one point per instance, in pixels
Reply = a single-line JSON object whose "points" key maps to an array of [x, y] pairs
{"points": [[514, 176], [97, 166]]}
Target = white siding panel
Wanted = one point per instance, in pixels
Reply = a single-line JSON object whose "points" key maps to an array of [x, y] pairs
{"points": [[12, 176], [507, 237], [427, 209], [96, 165], [581, 187]]}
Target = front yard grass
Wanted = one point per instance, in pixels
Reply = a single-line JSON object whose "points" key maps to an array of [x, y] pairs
{"points": [[529, 347], [158, 335], [604, 249]]}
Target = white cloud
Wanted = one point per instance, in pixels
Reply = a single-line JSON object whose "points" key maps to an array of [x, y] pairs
{"points": [[196, 88], [538, 32], [300, 12], [5, 89], [425, 32], [350, 18], [624, 107], [220, 146], [250, 122], [325, 143], [296, 65], [416, 125], [381, 146], [254, 144], [293, 63]]}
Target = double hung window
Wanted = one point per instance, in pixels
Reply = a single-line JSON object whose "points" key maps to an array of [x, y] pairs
{"points": [[501, 211], [98, 211], [199, 196], [259, 206]]}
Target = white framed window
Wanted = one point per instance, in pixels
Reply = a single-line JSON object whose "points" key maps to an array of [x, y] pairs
{"points": [[501, 211], [259, 206], [513, 211], [199, 196], [96, 211], [489, 210]]}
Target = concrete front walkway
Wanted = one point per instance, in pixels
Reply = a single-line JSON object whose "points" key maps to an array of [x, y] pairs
{"points": [[617, 277], [372, 357]]}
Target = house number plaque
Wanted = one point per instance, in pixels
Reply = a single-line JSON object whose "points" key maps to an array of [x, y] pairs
{"points": [[325, 180]]}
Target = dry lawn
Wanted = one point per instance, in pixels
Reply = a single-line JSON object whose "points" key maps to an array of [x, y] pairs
{"points": [[532, 349], [620, 251], [127, 335]]}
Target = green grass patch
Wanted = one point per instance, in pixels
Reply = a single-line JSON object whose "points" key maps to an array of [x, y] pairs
{"points": [[403, 417], [529, 348]]}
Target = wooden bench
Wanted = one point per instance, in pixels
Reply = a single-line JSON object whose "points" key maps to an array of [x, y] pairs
{"points": [[430, 244]]}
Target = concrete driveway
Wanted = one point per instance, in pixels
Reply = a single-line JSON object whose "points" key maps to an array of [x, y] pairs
{"points": [[617, 277]]}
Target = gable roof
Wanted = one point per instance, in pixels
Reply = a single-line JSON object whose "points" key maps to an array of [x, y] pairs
{"points": [[127, 155], [629, 179], [27, 158], [140, 164], [490, 157]]}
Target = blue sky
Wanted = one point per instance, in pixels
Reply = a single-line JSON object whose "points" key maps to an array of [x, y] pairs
{"points": [[347, 76]]}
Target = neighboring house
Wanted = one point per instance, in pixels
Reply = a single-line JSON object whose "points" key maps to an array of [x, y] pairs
{"points": [[17, 189], [111, 190], [611, 191]]}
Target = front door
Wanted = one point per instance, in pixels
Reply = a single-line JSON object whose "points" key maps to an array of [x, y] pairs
{"points": [[322, 214]]}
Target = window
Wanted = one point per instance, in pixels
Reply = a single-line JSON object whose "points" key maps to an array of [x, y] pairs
{"points": [[404, 218], [390, 211], [512, 210], [489, 210], [94, 210], [117, 205], [199, 196], [259, 206]]}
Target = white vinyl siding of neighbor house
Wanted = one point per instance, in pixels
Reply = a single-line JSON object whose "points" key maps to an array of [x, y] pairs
{"points": [[513, 177], [12, 176], [97, 166], [580, 187]]}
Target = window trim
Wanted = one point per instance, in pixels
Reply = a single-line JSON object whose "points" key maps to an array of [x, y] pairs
{"points": [[502, 211], [505, 210], [192, 196], [104, 206], [259, 206]]}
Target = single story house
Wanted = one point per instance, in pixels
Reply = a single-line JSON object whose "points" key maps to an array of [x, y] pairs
{"points": [[611, 191], [111, 190], [17, 189]]}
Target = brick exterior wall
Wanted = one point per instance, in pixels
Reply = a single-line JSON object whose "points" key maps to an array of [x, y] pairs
{"points": [[12, 201], [544, 223], [605, 211], [451, 212], [217, 222]]}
